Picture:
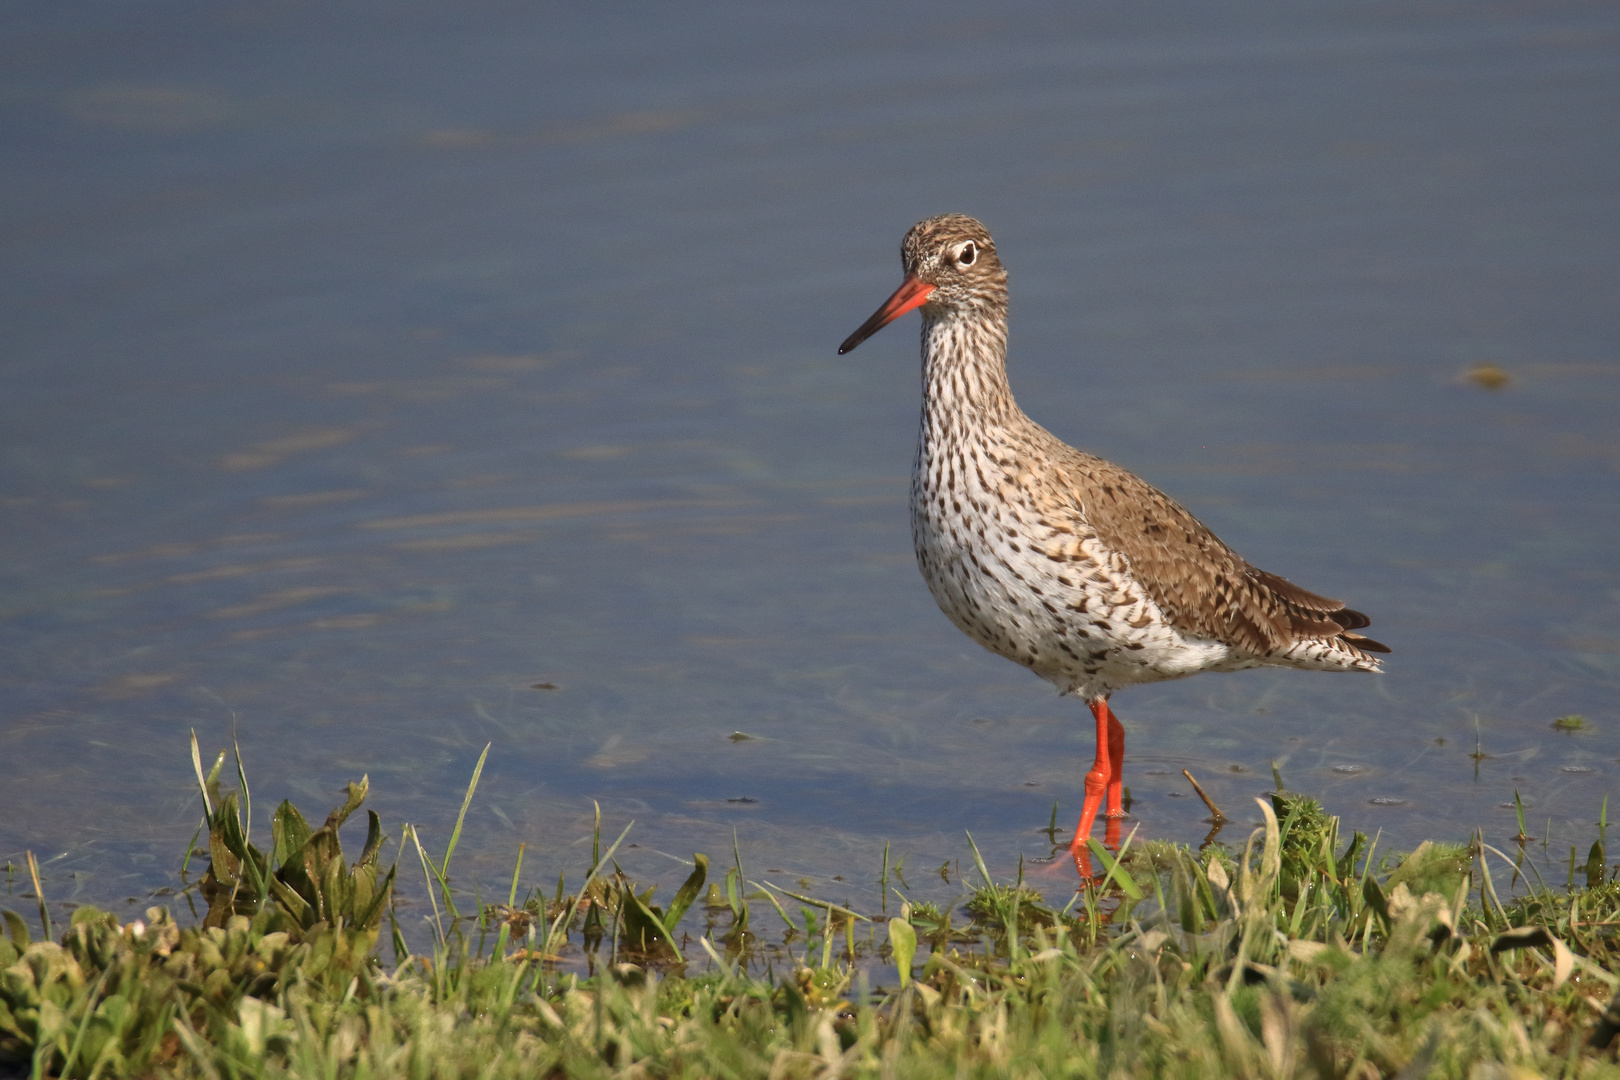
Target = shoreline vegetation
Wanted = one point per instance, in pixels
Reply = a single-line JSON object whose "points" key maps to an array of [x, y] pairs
{"points": [[1299, 954]]}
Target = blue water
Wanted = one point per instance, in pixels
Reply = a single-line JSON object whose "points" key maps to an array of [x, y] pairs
{"points": [[365, 368]]}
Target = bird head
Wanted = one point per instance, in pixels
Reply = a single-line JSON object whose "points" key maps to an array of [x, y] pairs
{"points": [[950, 264]]}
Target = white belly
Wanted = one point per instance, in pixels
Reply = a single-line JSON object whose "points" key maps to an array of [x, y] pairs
{"points": [[1050, 599]]}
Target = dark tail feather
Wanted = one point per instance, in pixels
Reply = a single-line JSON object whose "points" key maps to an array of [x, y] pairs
{"points": [[1349, 619], [1366, 644]]}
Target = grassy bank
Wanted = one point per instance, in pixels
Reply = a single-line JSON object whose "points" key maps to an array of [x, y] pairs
{"points": [[1302, 954]]}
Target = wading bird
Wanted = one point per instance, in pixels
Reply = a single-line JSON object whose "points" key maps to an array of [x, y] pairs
{"points": [[1069, 565]]}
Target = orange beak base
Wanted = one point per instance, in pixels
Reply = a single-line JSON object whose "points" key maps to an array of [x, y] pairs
{"points": [[912, 293]]}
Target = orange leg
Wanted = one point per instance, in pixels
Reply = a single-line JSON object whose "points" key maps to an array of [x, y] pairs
{"points": [[1103, 782], [1116, 767]]}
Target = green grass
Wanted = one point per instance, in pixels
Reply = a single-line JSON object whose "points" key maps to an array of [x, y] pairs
{"points": [[1301, 954]]}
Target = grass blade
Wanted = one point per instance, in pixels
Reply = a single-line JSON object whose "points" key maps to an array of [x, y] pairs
{"points": [[813, 902], [978, 860], [39, 894], [466, 801], [511, 897], [202, 784], [429, 871], [247, 796]]}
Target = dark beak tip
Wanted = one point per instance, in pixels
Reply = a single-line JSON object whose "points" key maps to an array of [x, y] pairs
{"points": [[908, 296]]}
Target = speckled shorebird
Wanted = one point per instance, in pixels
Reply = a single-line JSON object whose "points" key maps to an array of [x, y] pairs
{"points": [[1065, 563]]}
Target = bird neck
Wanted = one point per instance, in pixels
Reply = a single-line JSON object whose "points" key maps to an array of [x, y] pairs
{"points": [[965, 369]]}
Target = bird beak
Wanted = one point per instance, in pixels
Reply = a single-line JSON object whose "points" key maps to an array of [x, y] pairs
{"points": [[912, 293]]}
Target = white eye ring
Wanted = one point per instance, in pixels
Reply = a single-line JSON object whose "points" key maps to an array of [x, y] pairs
{"points": [[968, 254]]}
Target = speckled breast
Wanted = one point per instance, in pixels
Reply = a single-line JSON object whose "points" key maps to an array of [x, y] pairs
{"points": [[1015, 566]]}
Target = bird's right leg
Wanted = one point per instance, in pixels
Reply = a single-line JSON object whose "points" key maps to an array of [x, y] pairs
{"points": [[1116, 765], [1097, 785]]}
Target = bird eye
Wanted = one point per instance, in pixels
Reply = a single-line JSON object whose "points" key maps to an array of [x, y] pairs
{"points": [[968, 254]]}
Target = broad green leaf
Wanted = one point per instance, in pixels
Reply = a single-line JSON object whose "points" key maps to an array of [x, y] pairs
{"points": [[294, 904], [289, 832], [903, 940], [374, 841], [1116, 872], [641, 922], [1374, 895], [357, 795], [370, 916], [688, 892]]}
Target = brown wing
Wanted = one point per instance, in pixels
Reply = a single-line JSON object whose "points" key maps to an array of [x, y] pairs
{"points": [[1202, 586]]}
